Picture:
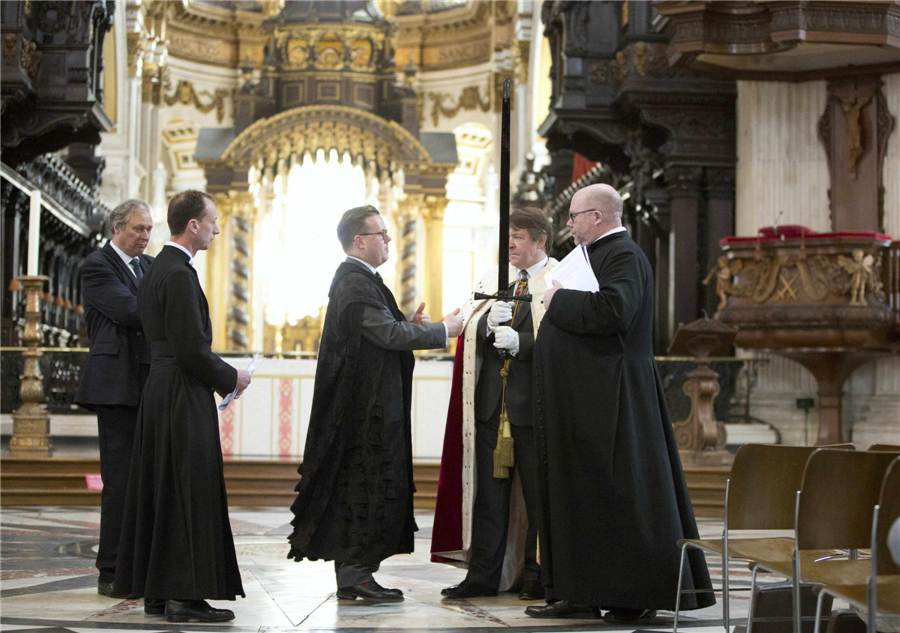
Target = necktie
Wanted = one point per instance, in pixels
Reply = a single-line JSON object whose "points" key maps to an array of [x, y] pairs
{"points": [[136, 267], [522, 286]]}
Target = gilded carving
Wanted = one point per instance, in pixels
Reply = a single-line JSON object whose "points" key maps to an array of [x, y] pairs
{"points": [[618, 68], [724, 273], [297, 51], [135, 43], [329, 53], [186, 94], [599, 74], [649, 58], [779, 279], [361, 54], [9, 49], [470, 99], [31, 58], [859, 266]]}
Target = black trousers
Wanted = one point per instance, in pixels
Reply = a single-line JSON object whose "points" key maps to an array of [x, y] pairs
{"points": [[352, 574], [116, 430], [490, 514]]}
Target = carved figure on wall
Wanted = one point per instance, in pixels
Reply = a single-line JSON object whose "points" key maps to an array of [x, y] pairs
{"points": [[361, 53], [860, 269], [328, 52], [724, 274], [297, 51]]}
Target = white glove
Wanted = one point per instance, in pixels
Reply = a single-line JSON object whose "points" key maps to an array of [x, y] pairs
{"points": [[506, 338], [501, 312]]}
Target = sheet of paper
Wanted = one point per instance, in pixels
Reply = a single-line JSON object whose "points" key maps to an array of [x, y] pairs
{"points": [[252, 367], [574, 272]]}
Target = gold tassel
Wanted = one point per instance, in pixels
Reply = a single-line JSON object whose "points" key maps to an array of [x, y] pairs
{"points": [[505, 444]]}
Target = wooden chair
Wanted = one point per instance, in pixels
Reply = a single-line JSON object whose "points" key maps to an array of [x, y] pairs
{"points": [[881, 592], [759, 495], [895, 448], [833, 512]]}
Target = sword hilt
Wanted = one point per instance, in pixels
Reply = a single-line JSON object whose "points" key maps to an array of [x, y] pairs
{"points": [[503, 296]]}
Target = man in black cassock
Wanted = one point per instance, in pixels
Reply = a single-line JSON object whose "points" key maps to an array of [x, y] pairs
{"points": [[176, 546], [613, 499], [355, 497]]}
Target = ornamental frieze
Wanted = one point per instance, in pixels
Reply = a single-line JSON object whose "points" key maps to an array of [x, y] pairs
{"points": [[852, 278]]}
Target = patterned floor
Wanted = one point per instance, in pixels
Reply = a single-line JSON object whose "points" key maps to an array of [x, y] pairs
{"points": [[48, 583]]}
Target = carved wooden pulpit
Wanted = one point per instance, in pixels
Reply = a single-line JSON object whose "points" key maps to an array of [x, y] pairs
{"points": [[701, 432], [830, 301]]}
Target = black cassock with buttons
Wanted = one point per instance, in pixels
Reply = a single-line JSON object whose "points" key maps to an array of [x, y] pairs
{"points": [[176, 538], [613, 498]]}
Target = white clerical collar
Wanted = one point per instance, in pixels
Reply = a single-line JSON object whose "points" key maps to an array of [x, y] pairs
{"points": [[366, 264], [124, 256], [533, 270], [610, 232], [183, 249]]}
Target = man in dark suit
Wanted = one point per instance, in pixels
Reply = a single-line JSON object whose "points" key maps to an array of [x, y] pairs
{"points": [[505, 338], [177, 544], [118, 363]]}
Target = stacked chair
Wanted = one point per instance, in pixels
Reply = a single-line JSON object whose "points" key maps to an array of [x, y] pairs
{"points": [[881, 590], [826, 496]]}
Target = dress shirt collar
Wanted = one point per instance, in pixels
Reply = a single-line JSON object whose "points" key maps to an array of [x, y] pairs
{"points": [[124, 256], [183, 250], [610, 232], [364, 263], [532, 271]]}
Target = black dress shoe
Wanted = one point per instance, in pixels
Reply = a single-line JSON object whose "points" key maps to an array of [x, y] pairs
{"points": [[195, 611], [629, 615], [468, 589], [370, 591], [154, 607], [562, 609], [531, 590], [106, 589]]}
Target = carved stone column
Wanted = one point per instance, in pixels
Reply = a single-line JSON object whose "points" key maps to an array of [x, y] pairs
{"points": [[434, 255], [683, 183], [234, 262], [854, 128], [31, 424], [407, 225]]}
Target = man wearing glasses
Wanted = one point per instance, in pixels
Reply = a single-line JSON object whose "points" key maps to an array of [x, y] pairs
{"points": [[355, 497], [613, 499]]}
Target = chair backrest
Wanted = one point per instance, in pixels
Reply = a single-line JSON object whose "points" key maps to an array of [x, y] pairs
{"points": [[840, 490], [765, 479], [885, 447], [889, 512]]}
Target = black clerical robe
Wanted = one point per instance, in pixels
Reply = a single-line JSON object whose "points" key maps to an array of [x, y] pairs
{"points": [[176, 536], [613, 498], [355, 496]]}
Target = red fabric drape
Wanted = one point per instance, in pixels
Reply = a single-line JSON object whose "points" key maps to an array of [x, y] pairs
{"points": [[581, 166], [446, 536]]}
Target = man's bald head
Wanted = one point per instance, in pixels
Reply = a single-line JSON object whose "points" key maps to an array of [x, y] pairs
{"points": [[593, 211], [601, 197]]}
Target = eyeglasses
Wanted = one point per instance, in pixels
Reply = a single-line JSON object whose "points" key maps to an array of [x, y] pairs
{"points": [[383, 234], [572, 215]]}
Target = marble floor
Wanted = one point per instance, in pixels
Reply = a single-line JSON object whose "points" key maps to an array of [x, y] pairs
{"points": [[48, 583]]}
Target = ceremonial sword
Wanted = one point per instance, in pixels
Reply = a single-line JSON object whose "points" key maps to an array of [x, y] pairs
{"points": [[503, 293]]}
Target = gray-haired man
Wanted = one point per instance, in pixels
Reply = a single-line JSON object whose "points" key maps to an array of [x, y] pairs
{"points": [[118, 363]]}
